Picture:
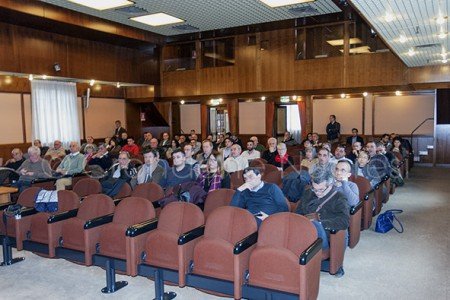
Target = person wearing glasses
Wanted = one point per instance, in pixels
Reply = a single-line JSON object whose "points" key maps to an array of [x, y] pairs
{"points": [[260, 198], [119, 174], [325, 206]]}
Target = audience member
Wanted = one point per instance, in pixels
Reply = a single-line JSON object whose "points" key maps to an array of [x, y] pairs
{"points": [[362, 168], [282, 160], [235, 162], [211, 178], [89, 152], [197, 145], [146, 141], [89, 141], [14, 163], [288, 139], [57, 151], [251, 153], [258, 146], [333, 130], [114, 148], [119, 130], [260, 198], [339, 154], [150, 170], [308, 145], [180, 172], [73, 163], [202, 158], [32, 168], [354, 138], [123, 140], [315, 140], [102, 158], [397, 147], [182, 140], [120, 174], [323, 162], [325, 206], [309, 159], [38, 144], [220, 142], [174, 145], [385, 139], [379, 162], [349, 189], [226, 152], [190, 161], [131, 147], [271, 152], [165, 141], [353, 155]]}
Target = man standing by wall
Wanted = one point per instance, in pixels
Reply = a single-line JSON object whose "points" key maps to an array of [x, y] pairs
{"points": [[333, 130]]}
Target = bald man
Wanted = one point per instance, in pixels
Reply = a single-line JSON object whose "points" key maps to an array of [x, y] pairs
{"points": [[72, 164]]}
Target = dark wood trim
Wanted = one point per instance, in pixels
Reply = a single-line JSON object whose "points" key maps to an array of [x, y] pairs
{"points": [[83, 117], [373, 116], [22, 110]]}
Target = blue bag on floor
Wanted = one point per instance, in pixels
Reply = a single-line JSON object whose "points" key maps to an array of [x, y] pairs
{"points": [[385, 221]]}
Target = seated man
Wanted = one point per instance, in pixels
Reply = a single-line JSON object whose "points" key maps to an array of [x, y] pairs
{"points": [[339, 154], [349, 189], [33, 168], [123, 139], [190, 161], [251, 153], [197, 145], [73, 163], [38, 144], [165, 141], [180, 172], [120, 174], [235, 162], [147, 138], [131, 147], [258, 197], [288, 139], [101, 158], [325, 206], [150, 170], [226, 151], [356, 147], [57, 151], [257, 145], [354, 138], [323, 162], [202, 158], [89, 141], [378, 161], [14, 163]]}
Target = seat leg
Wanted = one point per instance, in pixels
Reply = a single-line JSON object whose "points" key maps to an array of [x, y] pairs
{"points": [[111, 284], [159, 287], [7, 253]]}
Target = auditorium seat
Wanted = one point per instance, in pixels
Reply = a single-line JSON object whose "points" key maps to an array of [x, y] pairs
{"points": [[269, 168], [87, 186], [334, 255], [75, 178], [258, 162], [42, 232], [44, 183], [354, 228], [80, 234], [124, 192], [236, 179], [111, 252], [221, 256], [217, 198], [366, 196], [286, 260], [168, 248], [274, 176], [294, 168], [150, 191]]}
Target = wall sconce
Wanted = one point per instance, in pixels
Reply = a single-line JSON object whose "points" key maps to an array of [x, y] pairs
{"points": [[57, 67], [264, 45]]}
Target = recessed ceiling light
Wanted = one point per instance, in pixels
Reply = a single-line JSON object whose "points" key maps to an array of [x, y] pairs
{"points": [[340, 42], [158, 19], [118, 85], [365, 94], [263, 98], [294, 97], [343, 95], [102, 4], [411, 52], [389, 17], [398, 93], [182, 102], [278, 3], [44, 77], [91, 82], [441, 19], [402, 39], [442, 34], [30, 77]]}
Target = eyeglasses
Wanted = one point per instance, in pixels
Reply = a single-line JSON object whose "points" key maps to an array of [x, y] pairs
{"points": [[319, 191]]}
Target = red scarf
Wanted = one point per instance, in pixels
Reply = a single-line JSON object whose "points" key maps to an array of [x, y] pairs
{"points": [[283, 160]]}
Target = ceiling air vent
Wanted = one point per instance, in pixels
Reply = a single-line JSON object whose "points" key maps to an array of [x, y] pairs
{"points": [[131, 10], [303, 11], [185, 27], [428, 46]]}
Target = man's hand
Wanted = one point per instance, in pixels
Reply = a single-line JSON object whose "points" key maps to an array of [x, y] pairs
{"points": [[244, 187], [23, 171], [261, 215]]}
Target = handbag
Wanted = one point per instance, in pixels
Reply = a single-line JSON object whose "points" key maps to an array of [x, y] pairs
{"points": [[385, 221]]}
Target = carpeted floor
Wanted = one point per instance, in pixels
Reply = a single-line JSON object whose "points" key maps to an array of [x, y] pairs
{"points": [[412, 265]]}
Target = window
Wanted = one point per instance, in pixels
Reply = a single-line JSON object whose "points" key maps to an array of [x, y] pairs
{"points": [[179, 57], [288, 119], [218, 120], [364, 40], [54, 111], [320, 42], [218, 53]]}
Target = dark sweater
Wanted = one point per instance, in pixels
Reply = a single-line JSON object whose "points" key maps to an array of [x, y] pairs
{"points": [[335, 214], [269, 156], [174, 177], [269, 199]]}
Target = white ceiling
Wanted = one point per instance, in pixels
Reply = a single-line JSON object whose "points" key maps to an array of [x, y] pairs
{"points": [[416, 20], [204, 14]]}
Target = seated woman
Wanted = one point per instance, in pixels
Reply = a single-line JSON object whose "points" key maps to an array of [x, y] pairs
{"points": [[309, 159], [282, 160], [114, 148], [398, 148], [119, 174], [89, 152], [150, 170], [212, 178], [174, 145]]}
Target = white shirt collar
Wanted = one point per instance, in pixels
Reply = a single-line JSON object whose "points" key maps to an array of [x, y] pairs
{"points": [[258, 187]]}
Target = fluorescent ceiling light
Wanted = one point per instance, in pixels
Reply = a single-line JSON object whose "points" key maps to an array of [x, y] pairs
{"points": [[102, 4], [278, 3], [158, 19], [358, 50], [340, 42]]}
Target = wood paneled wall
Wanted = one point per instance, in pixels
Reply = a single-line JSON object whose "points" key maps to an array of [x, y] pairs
{"points": [[26, 50]]}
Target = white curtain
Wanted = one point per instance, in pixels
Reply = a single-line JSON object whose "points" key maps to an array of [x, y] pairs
{"points": [[54, 112], [293, 122]]}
